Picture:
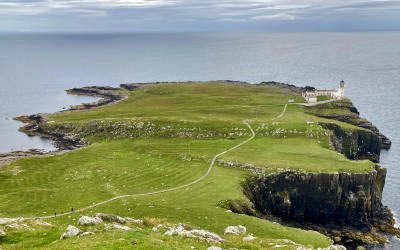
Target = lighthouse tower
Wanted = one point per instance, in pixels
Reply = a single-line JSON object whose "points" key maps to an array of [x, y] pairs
{"points": [[340, 91]]}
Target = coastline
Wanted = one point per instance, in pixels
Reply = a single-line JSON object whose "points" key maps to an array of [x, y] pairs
{"points": [[110, 96], [63, 142]]}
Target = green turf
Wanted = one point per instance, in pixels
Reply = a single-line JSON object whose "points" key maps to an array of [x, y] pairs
{"points": [[275, 155], [47, 185], [165, 136]]}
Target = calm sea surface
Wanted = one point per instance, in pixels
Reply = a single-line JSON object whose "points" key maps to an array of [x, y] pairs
{"points": [[36, 69]]}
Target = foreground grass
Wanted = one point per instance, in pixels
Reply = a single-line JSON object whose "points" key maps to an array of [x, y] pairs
{"points": [[76, 179]]}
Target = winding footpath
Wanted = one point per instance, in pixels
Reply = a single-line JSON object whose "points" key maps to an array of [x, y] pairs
{"points": [[212, 163]]}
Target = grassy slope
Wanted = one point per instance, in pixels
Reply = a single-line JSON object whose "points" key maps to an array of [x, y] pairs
{"points": [[125, 166]]}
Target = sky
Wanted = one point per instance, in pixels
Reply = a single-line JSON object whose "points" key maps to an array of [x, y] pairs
{"points": [[198, 15]]}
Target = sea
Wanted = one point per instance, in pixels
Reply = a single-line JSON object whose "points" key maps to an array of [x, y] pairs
{"points": [[36, 69]]}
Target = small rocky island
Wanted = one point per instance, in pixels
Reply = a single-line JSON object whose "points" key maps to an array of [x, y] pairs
{"points": [[214, 165]]}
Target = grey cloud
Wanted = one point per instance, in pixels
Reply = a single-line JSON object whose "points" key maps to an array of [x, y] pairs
{"points": [[167, 15]]}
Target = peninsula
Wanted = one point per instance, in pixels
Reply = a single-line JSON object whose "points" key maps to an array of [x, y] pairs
{"points": [[199, 165]]}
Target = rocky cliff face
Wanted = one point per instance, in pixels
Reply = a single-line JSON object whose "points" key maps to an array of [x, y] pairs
{"points": [[355, 144], [349, 114], [347, 207], [322, 198]]}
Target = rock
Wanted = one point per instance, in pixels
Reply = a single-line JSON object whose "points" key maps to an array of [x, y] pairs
{"points": [[88, 221], [2, 233], [70, 232], [194, 233], [235, 230], [86, 233], [175, 230], [111, 218], [136, 221], [249, 237], [333, 247], [337, 239], [18, 226], [206, 235], [214, 248], [117, 226]]}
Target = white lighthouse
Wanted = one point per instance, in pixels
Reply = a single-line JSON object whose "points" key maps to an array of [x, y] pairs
{"points": [[340, 91]]}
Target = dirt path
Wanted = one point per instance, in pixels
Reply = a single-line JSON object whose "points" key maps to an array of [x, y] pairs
{"points": [[212, 163]]}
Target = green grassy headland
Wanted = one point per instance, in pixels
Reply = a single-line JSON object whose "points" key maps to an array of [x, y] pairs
{"points": [[164, 136]]}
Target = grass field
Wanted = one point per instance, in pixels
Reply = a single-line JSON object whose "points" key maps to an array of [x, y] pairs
{"points": [[147, 143]]}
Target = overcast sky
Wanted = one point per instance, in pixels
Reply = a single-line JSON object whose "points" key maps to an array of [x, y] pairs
{"points": [[198, 15]]}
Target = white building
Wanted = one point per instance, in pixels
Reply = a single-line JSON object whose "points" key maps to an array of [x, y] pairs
{"points": [[336, 94]]}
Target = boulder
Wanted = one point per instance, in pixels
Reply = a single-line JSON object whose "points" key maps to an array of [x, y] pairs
{"points": [[70, 232], [88, 221], [194, 233], [235, 230], [249, 237], [2, 233], [111, 218]]}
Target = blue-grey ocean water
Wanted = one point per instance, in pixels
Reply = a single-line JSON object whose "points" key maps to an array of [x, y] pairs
{"points": [[36, 69]]}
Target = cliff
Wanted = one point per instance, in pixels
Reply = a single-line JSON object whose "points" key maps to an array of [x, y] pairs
{"points": [[341, 198], [355, 144], [345, 111], [347, 207]]}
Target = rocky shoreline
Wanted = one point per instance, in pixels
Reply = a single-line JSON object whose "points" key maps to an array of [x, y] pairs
{"points": [[63, 142]]}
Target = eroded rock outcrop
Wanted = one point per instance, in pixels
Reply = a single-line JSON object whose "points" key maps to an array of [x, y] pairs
{"points": [[346, 199], [349, 114], [343, 205], [355, 144], [106, 94]]}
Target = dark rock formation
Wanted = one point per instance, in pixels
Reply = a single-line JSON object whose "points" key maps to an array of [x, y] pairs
{"points": [[344, 206], [342, 198], [355, 144], [34, 126], [349, 115], [7, 158], [107, 95]]}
